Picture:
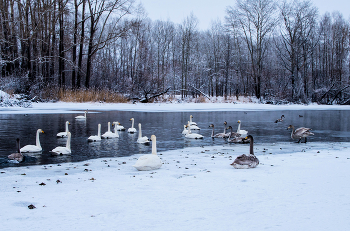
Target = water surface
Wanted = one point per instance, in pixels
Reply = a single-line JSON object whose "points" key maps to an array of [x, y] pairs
{"points": [[328, 126]]}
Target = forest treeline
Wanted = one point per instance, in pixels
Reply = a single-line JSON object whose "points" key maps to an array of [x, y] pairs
{"points": [[274, 50]]}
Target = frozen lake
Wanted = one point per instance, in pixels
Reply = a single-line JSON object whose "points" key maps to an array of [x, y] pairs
{"points": [[328, 126]]}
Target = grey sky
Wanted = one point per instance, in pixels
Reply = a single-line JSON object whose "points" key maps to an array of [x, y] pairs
{"points": [[209, 10]]}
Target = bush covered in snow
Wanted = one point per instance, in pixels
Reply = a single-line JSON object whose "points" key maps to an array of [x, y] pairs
{"points": [[17, 100]]}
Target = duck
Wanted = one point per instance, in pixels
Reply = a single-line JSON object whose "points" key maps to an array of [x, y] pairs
{"points": [[108, 134], [142, 139], [239, 131], [82, 117], [132, 129], [18, 156], [34, 148], [150, 161], [191, 122], [300, 133], [280, 120], [247, 161], [118, 126], [191, 135], [218, 135], [63, 150], [97, 137], [64, 134]]}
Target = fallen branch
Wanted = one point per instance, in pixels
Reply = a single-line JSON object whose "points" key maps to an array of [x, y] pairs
{"points": [[200, 91]]}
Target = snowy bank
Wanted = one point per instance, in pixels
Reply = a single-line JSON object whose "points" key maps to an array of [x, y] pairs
{"points": [[62, 107], [7, 100], [295, 187]]}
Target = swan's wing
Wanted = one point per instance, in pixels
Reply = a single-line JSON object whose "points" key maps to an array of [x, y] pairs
{"points": [[238, 140], [219, 135], [30, 148], [148, 162], [302, 132], [249, 160]]}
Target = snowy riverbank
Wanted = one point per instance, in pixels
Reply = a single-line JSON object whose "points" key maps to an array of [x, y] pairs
{"points": [[295, 187], [62, 107]]}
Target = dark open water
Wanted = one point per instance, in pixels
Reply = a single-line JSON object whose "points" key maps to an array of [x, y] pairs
{"points": [[328, 126]]}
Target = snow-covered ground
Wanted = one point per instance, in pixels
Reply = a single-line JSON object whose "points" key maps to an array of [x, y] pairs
{"points": [[62, 107], [295, 187]]}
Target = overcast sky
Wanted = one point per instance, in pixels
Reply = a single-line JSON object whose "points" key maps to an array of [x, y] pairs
{"points": [[209, 10]]}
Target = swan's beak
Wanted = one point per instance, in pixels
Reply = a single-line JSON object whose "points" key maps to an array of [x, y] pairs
{"points": [[42, 132]]}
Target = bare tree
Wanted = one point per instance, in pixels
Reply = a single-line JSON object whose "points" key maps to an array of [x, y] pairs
{"points": [[299, 21], [105, 16], [255, 19], [188, 32]]}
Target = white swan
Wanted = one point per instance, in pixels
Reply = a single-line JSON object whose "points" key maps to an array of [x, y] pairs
{"points": [[34, 148], [82, 117], [118, 126], [18, 155], [149, 161], [63, 150], [64, 134], [144, 139], [184, 132], [110, 135], [239, 131], [191, 135], [97, 137], [132, 129], [192, 123], [247, 161], [115, 124]]}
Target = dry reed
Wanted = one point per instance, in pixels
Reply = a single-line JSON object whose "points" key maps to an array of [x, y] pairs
{"points": [[91, 96], [83, 95]]}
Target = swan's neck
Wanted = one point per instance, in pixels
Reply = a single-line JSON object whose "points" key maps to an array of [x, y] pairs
{"points": [[189, 128], [116, 130], [230, 133], [68, 141], [109, 126], [212, 132], [99, 130], [132, 123], [225, 129], [190, 119], [140, 132], [239, 127], [252, 146], [293, 131], [37, 139], [154, 146], [85, 114], [67, 129]]}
